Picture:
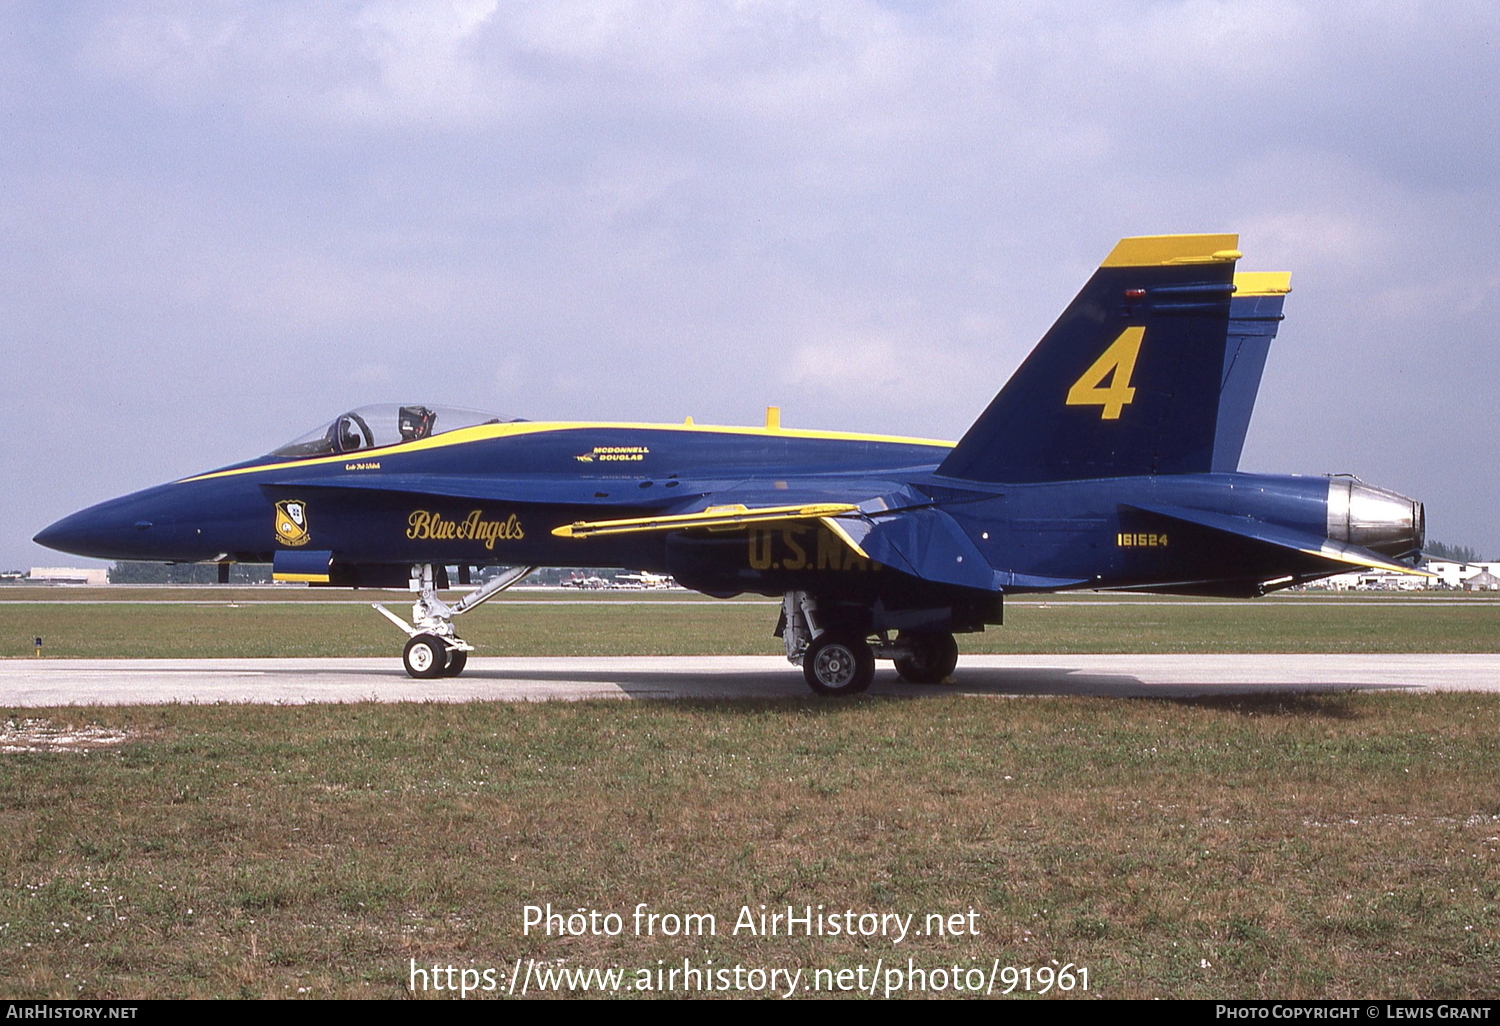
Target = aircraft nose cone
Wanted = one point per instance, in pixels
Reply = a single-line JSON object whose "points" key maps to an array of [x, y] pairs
{"points": [[110, 530], [72, 534]]}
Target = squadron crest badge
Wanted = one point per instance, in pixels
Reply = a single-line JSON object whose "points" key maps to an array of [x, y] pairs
{"points": [[291, 522]]}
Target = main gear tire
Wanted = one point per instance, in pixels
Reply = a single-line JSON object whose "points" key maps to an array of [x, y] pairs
{"points": [[838, 664], [457, 660], [931, 659], [425, 657]]}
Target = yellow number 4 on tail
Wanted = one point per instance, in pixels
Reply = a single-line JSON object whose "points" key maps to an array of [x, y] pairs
{"points": [[1116, 363]]}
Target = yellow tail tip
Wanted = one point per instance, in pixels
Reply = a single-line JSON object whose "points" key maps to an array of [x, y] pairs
{"points": [[1160, 250]]}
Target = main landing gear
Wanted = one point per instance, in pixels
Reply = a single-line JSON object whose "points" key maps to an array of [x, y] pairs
{"points": [[925, 657], [434, 649], [839, 660]]}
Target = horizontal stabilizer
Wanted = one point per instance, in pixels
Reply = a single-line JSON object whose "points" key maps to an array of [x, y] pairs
{"points": [[715, 517], [1284, 537], [1012, 579], [929, 544]]}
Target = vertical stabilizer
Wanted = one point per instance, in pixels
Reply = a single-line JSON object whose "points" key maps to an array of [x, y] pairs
{"points": [[1254, 316], [1128, 380]]}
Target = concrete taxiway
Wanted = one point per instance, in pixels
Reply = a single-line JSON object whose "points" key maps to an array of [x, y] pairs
{"points": [[31, 683]]}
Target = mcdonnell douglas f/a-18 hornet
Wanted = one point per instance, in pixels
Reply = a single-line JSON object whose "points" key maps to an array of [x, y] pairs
{"points": [[1107, 462]]}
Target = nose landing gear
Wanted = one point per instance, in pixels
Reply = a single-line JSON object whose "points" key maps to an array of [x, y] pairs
{"points": [[434, 649], [427, 656]]}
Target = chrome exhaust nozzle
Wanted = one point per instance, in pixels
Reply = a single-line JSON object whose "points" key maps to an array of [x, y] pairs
{"points": [[1383, 521]]}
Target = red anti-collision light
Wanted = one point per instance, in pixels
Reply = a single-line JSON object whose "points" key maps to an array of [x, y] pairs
{"points": [[1135, 293]]}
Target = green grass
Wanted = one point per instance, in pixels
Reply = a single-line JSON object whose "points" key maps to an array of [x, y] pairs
{"points": [[1319, 846], [1327, 846], [304, 622]]}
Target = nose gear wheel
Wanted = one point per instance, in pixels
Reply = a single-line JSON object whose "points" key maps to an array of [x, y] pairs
{"points": [[434, 649], [425, 657]]}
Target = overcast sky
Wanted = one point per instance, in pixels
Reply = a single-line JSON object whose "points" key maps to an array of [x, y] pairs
{"points": [[222, 223]]}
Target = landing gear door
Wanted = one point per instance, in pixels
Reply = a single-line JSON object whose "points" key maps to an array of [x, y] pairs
{"points": [[307, 566]]}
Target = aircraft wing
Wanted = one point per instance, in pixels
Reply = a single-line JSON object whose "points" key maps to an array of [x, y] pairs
{"points": [[721, 518], [1284, 537], [841, 505], [859, 512], [727, 505]]}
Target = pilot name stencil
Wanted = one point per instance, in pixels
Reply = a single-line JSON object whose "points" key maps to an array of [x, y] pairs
{"points": [[424, 526]]}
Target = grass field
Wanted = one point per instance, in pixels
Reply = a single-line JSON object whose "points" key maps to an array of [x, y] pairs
{"points": [[1318, 847], [1313, 846], [305, 622]]}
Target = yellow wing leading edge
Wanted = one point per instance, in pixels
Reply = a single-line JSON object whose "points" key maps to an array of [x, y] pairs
{"points": [[720, 517]]}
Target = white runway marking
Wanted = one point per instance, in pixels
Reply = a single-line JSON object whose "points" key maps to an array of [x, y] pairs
{"points": [[32, 683]]}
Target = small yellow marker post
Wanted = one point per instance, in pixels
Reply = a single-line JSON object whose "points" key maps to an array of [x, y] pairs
{"points": [[38, 648], [773, 418]]}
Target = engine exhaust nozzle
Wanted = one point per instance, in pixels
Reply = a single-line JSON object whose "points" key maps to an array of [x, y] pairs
{"points": [[1374, 518]]}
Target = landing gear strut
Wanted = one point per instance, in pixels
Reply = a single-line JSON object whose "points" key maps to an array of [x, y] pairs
{"points": [[834, 662], [839, 660], [434, 649]]}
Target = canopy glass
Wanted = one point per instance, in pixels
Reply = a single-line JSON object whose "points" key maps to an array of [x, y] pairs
{"points": [[373, 427]]}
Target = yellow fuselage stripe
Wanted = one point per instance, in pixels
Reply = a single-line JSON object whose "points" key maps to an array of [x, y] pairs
{"points": [[486, 432]]}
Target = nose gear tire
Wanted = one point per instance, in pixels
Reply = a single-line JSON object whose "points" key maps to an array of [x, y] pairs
{"points": [[425, 657], [457, 660]]}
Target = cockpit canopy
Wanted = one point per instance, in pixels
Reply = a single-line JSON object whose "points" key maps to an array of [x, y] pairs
{"points": [[372, 427]]}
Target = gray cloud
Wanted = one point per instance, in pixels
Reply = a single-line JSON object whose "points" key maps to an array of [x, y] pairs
{"points": [[222, 222]]}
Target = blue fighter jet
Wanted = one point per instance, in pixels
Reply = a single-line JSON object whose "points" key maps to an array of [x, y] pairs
{"points": [[1107, 462]]}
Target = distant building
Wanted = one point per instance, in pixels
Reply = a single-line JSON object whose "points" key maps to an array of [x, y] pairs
{"points": [[1482, 581], [1446, 575], [68, 575], [1373, 580], [1456, 575]]}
